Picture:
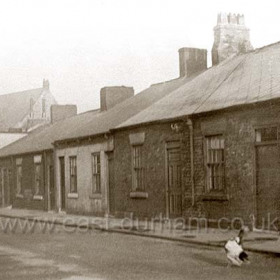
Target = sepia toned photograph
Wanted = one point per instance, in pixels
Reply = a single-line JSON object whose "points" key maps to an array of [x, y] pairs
{"points": [[139, 140]]}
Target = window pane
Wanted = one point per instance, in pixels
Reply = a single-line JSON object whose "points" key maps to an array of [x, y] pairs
{"points": [[266, 134], [138, 171], [73, 174], [96, 170], [215, 162]]}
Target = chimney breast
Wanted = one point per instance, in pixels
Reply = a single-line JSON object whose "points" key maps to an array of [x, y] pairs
{"points": [[111, 96], [61, 112], [192, 60]]}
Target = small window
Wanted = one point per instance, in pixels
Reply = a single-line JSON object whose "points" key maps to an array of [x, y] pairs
{"points": [[96, 171], [19, 176], [215, 163], [73, 174], [138, 183], [266, 134]]}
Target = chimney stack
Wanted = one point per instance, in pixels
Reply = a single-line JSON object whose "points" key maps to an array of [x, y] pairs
{"points": [[46, 84], [111, 96], [192, 61], [61, 112], [231, 36]]}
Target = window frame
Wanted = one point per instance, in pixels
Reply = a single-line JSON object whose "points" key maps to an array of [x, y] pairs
{"points": [[37, 178], [73, 185], [215, 183], [138, 170], [96, 173], [266, 126], [19, 191]]}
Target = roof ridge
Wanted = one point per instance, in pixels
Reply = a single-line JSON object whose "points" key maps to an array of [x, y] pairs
{"points": [[266, 46], [165, 82], [17, 92]]}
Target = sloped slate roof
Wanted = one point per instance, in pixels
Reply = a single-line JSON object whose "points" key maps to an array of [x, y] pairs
{"points": [[244, 79], [92, 122], [15, 106]]}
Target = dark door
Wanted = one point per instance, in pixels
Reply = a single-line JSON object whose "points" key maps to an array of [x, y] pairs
{"points": [[6, 182], [268, 185], [111, 183], [62, 182], [174, 191], [2, 202], [52, 190]]}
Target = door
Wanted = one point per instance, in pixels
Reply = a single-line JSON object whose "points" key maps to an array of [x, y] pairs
{"points": [[268, 185], [52, 190], [174, 184], [111, 183], [2, 202], [6, 182], [62, 182], [5, 179]]}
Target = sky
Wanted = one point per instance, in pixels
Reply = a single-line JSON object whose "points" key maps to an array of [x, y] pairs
{"points": [[84, 45]]}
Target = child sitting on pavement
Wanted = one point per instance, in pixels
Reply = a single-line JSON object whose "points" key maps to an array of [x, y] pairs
{"points": [[235, 253]]}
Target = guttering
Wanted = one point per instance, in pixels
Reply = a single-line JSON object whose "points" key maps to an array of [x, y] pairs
{"points": [[190, 125], [106, 134], [26, 153]]}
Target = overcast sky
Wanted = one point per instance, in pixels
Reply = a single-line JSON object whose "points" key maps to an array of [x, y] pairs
{"points": [[84, 45]]}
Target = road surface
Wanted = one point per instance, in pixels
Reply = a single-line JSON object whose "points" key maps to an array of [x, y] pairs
{"points": [[68, 254]]}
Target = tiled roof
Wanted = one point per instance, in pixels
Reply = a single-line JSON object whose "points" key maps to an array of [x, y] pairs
{"points": [[92, 122], [15, 106], [244, 79]]}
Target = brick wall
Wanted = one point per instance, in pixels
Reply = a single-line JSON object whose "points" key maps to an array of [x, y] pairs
{"points": [[154, 157], [27, 201], [238, 127]]}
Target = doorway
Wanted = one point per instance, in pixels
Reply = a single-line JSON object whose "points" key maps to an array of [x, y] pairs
{"points": [[268, 185], [174, 180], [62, 182]]}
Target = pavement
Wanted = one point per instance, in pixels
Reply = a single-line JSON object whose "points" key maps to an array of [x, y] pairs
{"points": [[172, 230]]}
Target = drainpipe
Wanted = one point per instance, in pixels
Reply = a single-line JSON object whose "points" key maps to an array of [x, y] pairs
{"points": [[46, 182], [190, 125]]}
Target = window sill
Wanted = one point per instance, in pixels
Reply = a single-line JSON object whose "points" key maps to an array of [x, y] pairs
{"points": [[138, 194], [38, 197], [214, 197], [96, 195], [19, 195], [72, 195]]}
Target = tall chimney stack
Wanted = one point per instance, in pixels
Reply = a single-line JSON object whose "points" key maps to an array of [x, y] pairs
{"points": [[192, 61], [231, 36]]}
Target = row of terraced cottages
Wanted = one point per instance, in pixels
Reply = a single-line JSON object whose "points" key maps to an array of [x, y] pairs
{"points": [[203, 145]]}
